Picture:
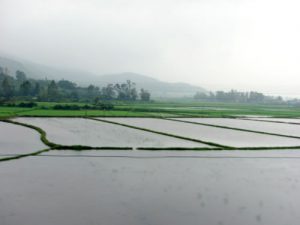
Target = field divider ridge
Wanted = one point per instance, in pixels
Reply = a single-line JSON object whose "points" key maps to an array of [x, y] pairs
{"points": [[181, 149], [220, 149], [19, 156], [86, 147], [163, 133], [54, 146], [269, 148], [232, 128]]}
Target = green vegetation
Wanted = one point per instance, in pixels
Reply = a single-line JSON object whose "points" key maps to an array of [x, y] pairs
{"points": [[13, 157], [243, 97], [157, 109], [151, 109], [19, 87], [218, 149], [181, 149], [79, 113], [23, 96]]}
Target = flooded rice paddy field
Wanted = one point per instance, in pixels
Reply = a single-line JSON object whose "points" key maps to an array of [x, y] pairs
{"points": [[187, 188], [16, 139], [77, 131], [211, 134], [284, 120], [120, 187], [278, 128], [197, 108]]}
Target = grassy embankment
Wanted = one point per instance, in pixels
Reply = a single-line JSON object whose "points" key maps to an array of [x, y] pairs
{"points": [[157, 109]]}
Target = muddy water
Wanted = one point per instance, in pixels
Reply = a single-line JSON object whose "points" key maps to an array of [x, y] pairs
{"points": [[16, 139], [188, 188]]}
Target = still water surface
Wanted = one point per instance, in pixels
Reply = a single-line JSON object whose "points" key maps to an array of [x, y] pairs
{"points": [[151, 188]]}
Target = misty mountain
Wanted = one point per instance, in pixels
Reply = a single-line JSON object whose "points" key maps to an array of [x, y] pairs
{"points": [[38, 71], [158, 89]]}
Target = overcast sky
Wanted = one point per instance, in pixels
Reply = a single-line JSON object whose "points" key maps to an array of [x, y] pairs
{"points": [[218, 44]]}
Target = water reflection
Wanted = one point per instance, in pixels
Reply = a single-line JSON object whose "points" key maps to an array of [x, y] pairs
{"points": [[151, 190]]}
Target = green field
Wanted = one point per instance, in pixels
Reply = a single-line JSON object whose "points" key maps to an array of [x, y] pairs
{"points": [[158, 109]]}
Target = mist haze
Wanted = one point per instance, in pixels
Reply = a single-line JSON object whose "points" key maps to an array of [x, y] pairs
{"points": [[245, 45], [149, 112]]}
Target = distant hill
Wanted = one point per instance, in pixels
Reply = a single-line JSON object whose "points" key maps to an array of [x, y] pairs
{"points": [[158, 89], [37, 71]]}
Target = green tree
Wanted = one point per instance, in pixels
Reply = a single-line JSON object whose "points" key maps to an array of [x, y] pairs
{"points": [[53, 93], [36, 90], [43, 94], [25, 88], [126, 91], [7, 88], [74, 95], [108, 92], [91, 91], [133, 94], [65, 84], [21, 76], [144, 95]]}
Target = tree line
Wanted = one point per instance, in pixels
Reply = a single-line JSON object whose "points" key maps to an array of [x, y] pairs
{"points": [[234, 96], [20, 87]]}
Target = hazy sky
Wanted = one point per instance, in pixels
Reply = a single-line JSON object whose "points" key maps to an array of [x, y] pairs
{"points": [[218, 44]]}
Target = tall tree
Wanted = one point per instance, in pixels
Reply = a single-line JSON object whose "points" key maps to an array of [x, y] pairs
{"points": [[126, 91], [21, 76], [91, 91], [65, 84], [144, 95], [53, 93], [7, 88], [25, 88], [36, 90], [108, 92]]}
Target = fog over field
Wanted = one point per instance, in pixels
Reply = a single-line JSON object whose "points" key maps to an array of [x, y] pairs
{"points": [[246, 45], [149, 112]]}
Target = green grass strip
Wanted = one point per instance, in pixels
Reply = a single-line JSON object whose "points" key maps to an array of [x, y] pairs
{"points": [[163, 133], [84, 147], [269, 148], [24, 155], [220, 149], [179, 149], [232, 128]]}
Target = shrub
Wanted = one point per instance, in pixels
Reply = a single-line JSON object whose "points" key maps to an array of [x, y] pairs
{"points": [[104, 106], [66, 107], [27, 104]]}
